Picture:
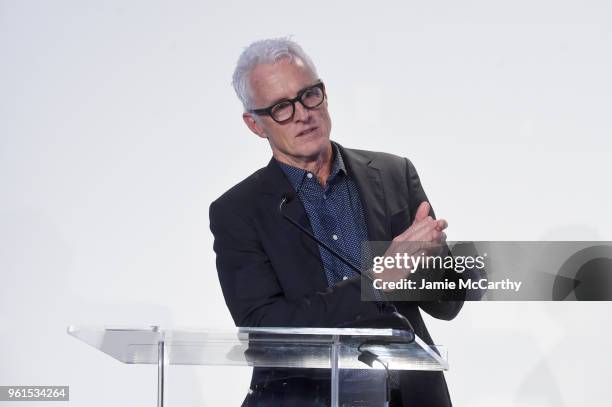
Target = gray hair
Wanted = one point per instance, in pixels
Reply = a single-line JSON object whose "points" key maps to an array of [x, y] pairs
{"points": [[268, 51]]}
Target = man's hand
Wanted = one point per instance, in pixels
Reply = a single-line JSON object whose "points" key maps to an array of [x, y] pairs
{"points": [[425, 236], [424, 228]]}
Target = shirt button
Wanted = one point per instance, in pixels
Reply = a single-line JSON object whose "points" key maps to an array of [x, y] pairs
{"points": [[335, 237], [345, 278], [309, 175]]}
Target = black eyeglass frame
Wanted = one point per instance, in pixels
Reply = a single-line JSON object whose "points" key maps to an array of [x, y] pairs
{"points": [[268, 110]]}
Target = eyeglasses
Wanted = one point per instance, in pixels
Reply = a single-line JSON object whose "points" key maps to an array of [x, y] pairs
{"points": [[283, 111]]}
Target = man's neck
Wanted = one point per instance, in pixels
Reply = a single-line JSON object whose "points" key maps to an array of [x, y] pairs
{"points": [[320, 165]]}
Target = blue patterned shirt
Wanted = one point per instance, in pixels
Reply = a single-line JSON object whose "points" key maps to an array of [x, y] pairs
{"points": [[337, 218], [335, 213]]}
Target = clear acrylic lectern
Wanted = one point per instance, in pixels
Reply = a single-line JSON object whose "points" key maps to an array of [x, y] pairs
{"points": [[341, 350]]}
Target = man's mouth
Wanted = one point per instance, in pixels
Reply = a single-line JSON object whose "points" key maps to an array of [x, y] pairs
{"points": [[307, 131]]}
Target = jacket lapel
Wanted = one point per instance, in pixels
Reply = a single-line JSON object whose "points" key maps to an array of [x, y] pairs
{"points": [[368, 179], [307, 257]]}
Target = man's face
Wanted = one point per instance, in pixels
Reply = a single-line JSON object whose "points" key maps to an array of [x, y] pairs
{"points": [[306, 136]]}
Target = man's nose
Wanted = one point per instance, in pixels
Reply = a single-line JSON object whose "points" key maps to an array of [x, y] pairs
{"points": [[301, 114]]}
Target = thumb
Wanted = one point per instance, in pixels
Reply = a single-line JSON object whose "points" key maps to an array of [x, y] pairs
{"points": [[422, 211]]}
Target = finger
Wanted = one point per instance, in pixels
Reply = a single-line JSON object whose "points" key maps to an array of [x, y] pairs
{"points": [[422, 211], [423, 229], [441, 238], [438, 236], [416, 225], [440, 243], [416, 228], [425, 233], [427, 223], [441, 224]]}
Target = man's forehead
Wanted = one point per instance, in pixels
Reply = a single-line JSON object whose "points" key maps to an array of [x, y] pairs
{"points": [[282, 79]]}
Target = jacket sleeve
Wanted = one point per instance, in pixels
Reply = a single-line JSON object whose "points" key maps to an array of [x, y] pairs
{"points": [[449, 303], [253, 292]]}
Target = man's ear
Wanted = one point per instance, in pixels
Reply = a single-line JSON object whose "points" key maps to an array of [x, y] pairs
{"points": [[252, 124]]}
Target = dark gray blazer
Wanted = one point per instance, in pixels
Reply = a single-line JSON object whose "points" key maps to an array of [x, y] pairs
{"points": [[271, 274]]}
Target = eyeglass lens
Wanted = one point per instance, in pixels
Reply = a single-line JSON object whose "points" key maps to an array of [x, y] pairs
{"points": [[311, 98]]}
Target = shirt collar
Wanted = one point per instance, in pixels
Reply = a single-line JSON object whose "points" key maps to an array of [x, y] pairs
{"points": [[296, 175]]}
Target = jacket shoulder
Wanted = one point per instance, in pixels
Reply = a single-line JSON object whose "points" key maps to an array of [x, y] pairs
{"points": [[385, 161], [240, 193]]}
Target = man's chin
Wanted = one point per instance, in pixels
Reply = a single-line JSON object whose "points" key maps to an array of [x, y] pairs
{"points": [[314, 148]]}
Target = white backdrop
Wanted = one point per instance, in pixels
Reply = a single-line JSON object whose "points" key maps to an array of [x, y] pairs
{"points": [[118, 127]]}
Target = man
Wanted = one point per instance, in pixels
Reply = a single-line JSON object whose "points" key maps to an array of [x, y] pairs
{"points": [[271, 272]]}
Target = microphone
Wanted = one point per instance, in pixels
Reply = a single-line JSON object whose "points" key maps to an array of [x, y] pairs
{"points": [[290, 196], [400, 322]]}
